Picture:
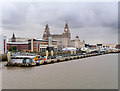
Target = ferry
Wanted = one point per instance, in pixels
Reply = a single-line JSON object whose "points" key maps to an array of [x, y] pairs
{"points": [[21, 61]]}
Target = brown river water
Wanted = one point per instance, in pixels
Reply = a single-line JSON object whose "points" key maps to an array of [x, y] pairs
{"points": [[99, 72]]}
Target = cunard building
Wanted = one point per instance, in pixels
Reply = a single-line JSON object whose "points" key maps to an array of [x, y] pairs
{"points": [[64, 39]]}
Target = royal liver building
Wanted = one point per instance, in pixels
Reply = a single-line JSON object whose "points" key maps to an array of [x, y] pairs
{"points": [[64, 39]]}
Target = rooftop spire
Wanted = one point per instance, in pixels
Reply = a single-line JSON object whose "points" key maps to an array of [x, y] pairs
{"points": [[47, 26], [77, 36], [66, 25], [66, 28], [46, 32], [13, 38], [13, 35]]}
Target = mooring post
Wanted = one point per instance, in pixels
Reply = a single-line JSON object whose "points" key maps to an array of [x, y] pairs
{"points": [[8, 56], [51, 52], [47, 53], [74, 51], [71, 51]]}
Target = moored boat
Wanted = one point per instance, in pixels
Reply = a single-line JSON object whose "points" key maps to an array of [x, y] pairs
{"points": [[21, 61]]}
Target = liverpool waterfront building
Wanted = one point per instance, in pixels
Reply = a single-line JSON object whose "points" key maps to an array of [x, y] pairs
{"points": [[40, 45], [32, 44], [21, 44], [49, 41], [77, 43], [64, 39]]}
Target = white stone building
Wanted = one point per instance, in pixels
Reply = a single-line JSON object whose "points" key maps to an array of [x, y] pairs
{"points": [[77, 43], [64, 39]]}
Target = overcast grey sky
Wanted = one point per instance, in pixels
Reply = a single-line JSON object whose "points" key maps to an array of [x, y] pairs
{"points": [[93, 22]]}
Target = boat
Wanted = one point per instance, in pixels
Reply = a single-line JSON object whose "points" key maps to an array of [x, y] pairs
{"points": [[21, 61], [39, 60]]}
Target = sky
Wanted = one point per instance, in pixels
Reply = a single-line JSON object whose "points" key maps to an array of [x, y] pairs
{"points": [[94, 22]]}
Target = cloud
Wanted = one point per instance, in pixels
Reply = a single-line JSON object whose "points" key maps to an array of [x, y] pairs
{"points": [[83, 18]]}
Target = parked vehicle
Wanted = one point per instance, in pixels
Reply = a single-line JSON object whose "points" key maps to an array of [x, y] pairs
{"points": [[53, 58], [39, 60], [60, 58]]}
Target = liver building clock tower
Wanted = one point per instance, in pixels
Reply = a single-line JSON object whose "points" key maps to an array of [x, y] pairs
{"points": [[66, 36], [63, 40], [66, 29]]}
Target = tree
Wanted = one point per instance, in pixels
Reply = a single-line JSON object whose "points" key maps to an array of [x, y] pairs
{"points": [[13, 48]]}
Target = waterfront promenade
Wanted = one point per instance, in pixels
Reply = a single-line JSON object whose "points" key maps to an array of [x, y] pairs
{"points": [[98, 72]]}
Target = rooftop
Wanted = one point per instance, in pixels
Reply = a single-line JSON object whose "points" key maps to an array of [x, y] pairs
{"points": [[17, 42]]}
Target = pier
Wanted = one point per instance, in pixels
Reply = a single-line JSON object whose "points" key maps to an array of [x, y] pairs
{"points": [[55, 59]]}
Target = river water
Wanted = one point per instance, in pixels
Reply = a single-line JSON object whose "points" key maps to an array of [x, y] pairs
{"points": [[99, 72]]}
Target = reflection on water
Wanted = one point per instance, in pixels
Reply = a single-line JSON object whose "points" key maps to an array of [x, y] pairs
{"points": [[100, 72]]}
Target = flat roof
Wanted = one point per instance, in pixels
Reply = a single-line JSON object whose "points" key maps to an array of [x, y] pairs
{"points": [[41, 40], [17, 42]]}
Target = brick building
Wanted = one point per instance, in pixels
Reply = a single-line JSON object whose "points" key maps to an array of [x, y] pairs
{"points": [[40, 45], [21, 44]]}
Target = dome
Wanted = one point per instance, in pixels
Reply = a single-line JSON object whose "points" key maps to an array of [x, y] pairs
{"points": [[77, 36]]}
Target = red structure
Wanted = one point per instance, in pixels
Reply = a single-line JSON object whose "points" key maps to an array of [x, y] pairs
{"points": [[19, 46], [14, 44], [4, 45]]}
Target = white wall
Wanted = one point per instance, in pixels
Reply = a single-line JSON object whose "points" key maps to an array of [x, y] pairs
{"points": [[2, 44]]}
